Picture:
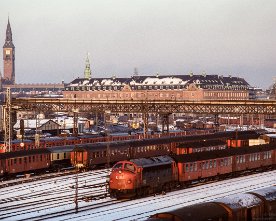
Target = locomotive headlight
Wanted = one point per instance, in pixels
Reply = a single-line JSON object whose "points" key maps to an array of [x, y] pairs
{"points": [[120, 171], [129, 181]]}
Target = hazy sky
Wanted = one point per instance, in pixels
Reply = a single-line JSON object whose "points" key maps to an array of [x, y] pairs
{"points": [[226, 37]]}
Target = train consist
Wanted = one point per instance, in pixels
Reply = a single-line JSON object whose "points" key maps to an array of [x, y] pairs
{"points": [[92, 155], [35, 160], [260, 205], [145, 176], [88, 156], [16, 145]]}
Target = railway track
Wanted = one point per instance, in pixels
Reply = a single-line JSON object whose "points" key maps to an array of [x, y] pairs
{"points": [[141, 208], [56, 202]]}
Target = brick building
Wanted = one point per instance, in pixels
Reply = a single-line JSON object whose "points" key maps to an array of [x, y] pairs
{"points": [[165, 87]]}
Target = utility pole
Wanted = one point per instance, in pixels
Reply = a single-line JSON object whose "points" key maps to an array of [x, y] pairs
{"points": [[107, 136], [76, 191], [75, 119], [7, 121]]}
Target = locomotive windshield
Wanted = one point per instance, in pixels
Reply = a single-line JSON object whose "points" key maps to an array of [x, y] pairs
{"points": [[118, 166], [130, 167]]}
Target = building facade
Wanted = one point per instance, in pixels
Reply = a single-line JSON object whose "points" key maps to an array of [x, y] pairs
{"points": [[165, 87]]}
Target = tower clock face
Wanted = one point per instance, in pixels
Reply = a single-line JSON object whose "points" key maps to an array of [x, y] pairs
{"points": [[8, 52]]}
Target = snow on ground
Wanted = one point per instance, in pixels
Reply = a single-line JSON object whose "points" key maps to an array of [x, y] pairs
{"points": [[60, 190]]}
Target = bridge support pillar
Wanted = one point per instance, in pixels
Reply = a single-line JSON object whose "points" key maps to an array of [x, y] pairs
{"points": [[165, 122]]}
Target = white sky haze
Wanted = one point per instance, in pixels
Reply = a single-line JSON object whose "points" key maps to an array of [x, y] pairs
{"points": [[229, 37]]}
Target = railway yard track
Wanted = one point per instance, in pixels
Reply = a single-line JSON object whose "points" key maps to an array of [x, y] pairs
{"points": [[53, 199]]}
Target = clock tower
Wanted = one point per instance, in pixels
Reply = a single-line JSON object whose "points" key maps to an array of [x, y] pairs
{"points": [[9, 57]]}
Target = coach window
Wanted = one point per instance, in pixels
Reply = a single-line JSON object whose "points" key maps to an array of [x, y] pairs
{"points": [[203, 166], [195, 166], [211, 164], [14, 161], [30, 159], [40, 157], [191, 167], [215, 163], [33, 158], [20, 160], [25, 159], [187, 168], [207, 165], [237, 159], [269, 154], [64, 155], [58, 156], [259, 156]]}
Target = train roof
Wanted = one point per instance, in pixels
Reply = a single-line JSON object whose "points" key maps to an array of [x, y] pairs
{"points": [[268, 193], [19, 141], [208, 155], [239, 201], [198, 144], [197, 212], [152, 161], [23, 153], [100, 145], [61, 149], [51, 138]]}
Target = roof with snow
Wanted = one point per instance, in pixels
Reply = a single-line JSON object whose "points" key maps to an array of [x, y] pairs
{"points": [[160, 82], [243, 200]]}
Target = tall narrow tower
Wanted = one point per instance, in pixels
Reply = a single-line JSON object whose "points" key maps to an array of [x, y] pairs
{"points": [[8, 57], [87, 70]]}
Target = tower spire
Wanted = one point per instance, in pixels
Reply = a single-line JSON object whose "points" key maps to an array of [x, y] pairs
{"points": [[8, 41], [9, 56], [87, 71]]}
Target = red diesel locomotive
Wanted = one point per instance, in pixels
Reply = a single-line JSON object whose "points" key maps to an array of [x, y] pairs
{"points": [[154, 174]]}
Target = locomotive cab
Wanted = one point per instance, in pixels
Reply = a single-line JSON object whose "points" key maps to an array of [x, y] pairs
{"points": [[123, 179]]}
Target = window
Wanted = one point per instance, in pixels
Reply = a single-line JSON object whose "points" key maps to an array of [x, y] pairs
{"points": [[64, 155], [58, 156], [129, 167], [191, 167], [20, 160], [30, 159], [187, 168], [118, 166]]}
